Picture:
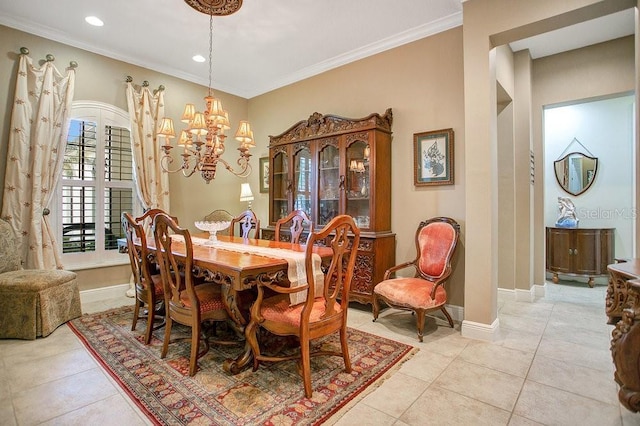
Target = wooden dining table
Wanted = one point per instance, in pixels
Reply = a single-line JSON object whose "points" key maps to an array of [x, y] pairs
{"points": [[236, 272]]}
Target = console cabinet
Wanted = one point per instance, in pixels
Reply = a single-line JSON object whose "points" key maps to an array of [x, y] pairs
{"points": [[329, 165], [579, 251]]}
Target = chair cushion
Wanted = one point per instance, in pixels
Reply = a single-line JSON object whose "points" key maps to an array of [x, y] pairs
{"points": [[279, 309], [31, 280], [209, 295], [411, 292]]}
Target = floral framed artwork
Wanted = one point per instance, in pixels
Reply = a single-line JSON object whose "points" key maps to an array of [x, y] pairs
{"points": [[264, 174], [433, 158]]}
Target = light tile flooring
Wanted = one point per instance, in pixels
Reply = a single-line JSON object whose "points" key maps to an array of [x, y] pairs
{"points": [[550, 366]]}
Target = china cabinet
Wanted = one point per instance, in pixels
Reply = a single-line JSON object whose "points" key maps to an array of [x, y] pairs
{"points": [[579, 251], [329, 165]]}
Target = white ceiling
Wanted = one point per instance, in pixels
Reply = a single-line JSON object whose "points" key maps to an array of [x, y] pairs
{"points": [[267, 44]]}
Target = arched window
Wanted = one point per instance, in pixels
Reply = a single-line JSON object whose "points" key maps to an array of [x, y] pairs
{"points": [[96, 186]]}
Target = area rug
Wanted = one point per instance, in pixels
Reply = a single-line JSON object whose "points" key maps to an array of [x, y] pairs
{"points": [[272, 395]]}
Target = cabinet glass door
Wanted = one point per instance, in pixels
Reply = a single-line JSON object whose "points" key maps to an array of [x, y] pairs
{"points": [[279, 184], [301, 184], [357, 185], [328, 184]]}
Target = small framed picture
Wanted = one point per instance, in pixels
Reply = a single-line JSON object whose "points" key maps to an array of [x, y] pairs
{"points": [[264, 174], [433, 158]]}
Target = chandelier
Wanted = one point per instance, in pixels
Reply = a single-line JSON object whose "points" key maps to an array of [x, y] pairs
{"points": [[203, 141]]}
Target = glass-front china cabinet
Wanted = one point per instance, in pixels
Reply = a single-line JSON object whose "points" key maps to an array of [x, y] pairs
{"points": [[329, 165]]}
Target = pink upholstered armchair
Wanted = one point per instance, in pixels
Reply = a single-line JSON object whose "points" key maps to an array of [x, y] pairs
{"points": [[436, 241]]}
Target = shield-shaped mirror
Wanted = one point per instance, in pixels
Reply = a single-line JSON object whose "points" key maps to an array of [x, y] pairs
{"points": [[575, 172]]}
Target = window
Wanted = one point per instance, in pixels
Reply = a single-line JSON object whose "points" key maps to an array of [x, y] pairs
{"points": [[96, 186]]}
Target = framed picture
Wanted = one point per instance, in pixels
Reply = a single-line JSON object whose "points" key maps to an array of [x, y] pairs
{"points": [[264, 174], [433, 158]]}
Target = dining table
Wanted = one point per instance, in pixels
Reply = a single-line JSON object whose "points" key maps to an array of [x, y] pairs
{"points": [[237, 264]]}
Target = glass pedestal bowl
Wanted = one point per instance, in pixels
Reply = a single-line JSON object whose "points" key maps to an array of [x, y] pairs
{"points": [[212, 228]]}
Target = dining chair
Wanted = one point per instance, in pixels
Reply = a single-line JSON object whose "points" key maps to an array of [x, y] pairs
{"points": [[219, 215], [185, 302], [436, 241], [146, 277], [320, 314], [247, 221], [297, 220]]}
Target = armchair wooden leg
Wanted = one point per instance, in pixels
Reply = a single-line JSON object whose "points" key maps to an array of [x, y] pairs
{"points": [[193, 357], [376, 307], [305, 353], [446, 314], [345, 349], [136, 312], [167, 336], [150, 320], [420, 315]]}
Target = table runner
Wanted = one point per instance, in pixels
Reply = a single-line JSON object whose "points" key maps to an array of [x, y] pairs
{"points": [[296, 272]]}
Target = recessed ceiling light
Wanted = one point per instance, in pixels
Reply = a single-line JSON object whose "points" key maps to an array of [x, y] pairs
{"points": [[199, 58], [95, 21]]}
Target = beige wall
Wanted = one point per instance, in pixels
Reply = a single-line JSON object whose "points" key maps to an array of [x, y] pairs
{"points": [[422, 82]]}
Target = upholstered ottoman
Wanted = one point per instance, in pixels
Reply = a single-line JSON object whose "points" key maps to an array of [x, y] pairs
{"points": [[34, 302]]}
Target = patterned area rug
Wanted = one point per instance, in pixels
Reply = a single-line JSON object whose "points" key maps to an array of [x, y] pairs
{"points": [[272, 395]]}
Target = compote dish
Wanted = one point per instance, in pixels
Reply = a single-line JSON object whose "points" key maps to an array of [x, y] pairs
{"points": [[212, 228]]}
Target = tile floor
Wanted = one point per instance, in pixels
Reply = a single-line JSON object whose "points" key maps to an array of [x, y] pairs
{"points": [[550, 366]]}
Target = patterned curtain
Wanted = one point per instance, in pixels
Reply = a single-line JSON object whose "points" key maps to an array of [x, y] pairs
{"points": [[146, 110], [37, 139]]}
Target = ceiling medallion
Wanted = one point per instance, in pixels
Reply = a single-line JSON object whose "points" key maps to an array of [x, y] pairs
{"points": [[215, 7]]}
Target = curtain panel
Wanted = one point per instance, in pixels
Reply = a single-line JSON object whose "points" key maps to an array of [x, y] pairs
{"points": [[37, 140]]}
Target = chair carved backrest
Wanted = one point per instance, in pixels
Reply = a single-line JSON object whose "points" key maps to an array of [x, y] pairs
{"points": [[174, 282], [247, 222], [436, 240], [298, 220], [138, 255], [9, 253], [345, 237]]}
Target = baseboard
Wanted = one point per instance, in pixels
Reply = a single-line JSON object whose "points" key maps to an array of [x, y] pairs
{"points": [[103, 293], [480, 331], [456, 312], [540, 289], [520, 295]]}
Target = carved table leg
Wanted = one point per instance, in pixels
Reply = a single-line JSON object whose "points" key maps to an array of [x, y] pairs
{"points": [[230, 297], [591, 283], [555, 279], [625, 350], [616, 298]]}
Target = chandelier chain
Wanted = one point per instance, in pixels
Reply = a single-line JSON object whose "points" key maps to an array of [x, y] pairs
{"points": [[210, 49]]}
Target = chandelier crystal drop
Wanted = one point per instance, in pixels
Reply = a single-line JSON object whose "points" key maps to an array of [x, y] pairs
{"points": [[203, 141]]}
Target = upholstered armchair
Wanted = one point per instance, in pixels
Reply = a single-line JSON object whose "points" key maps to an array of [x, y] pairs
{"points": [[33, 302], [436, 241]]}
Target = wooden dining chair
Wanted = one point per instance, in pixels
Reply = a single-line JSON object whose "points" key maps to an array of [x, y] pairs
{"points": [[185, 302], [146, 277], [247, 222], [321, 314], [297, 220], [436, 241]]}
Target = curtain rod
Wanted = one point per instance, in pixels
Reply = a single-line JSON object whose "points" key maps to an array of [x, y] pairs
{"points": [[145, 83], [48, 58]]}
